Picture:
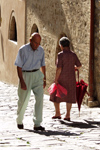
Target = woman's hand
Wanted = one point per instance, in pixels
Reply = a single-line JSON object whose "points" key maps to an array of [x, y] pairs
{"points": [[56, 82]]}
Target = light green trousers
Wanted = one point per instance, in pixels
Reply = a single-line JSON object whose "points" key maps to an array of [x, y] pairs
{"points": [[34, 82]]}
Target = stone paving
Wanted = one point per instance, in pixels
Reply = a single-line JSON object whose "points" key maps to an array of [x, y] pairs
{"points": [[82, 133]]}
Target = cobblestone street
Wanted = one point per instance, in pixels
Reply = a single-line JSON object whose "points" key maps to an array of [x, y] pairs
{"points": [[82, 133]]}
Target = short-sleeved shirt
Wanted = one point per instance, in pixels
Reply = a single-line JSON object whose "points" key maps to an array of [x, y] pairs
{"points": [[29, 59], [67, 60]]}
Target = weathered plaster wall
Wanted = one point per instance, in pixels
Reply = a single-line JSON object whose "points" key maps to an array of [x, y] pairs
{"points": [[8, 48], [54, 18]]}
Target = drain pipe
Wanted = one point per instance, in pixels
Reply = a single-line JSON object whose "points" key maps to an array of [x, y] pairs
{"points": [[91, 101], [91, 59]]}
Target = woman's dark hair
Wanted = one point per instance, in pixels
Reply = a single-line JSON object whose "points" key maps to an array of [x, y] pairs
{"points": [[64, 41]]}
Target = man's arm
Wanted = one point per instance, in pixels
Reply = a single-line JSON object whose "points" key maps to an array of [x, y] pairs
{"points": [[20, 75], [43, 69]]}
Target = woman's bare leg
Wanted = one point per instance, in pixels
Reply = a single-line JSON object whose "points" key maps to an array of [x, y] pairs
{"points": [[57, 109], [68, 109]]}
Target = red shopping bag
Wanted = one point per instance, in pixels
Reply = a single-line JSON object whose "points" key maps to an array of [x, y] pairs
{"points": [[60, 90]]}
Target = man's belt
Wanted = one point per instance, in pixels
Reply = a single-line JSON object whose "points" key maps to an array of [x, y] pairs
{"points": [[30, 70]]}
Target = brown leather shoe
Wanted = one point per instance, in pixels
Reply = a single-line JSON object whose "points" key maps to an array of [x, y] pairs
{"points": [[39, 128], [20, 126]]}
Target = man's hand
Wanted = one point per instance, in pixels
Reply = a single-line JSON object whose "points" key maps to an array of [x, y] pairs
{"points": [[44, 84], [23, 85], [43, 69], [20, 75]]}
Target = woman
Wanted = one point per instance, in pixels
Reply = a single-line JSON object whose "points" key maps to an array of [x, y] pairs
{"points": [[67, 62]]}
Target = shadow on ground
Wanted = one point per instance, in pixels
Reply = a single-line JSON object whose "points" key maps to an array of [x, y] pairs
{"points": [[87, 124], [82, 125], [51, 132]]}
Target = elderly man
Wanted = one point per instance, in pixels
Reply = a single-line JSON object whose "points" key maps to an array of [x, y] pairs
{"points": [[29, 61]]}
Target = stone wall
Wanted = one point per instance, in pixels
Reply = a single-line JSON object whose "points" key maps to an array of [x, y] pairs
{"points": [[55, 18]]}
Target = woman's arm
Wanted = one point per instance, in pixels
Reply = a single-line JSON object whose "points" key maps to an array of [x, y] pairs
{"points": [[58, 72], [77, 68]]}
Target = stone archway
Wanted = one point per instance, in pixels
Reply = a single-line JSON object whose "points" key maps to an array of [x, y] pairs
{"points": [[58, 47], [34, 29]]}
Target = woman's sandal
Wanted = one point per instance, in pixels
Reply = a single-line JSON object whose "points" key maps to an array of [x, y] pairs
{"points": [[68, 119], [56, 117]]}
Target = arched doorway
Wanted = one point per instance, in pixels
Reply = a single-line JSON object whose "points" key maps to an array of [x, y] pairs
{"points": [[12, 28], [58, 47], [34, 29]]}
